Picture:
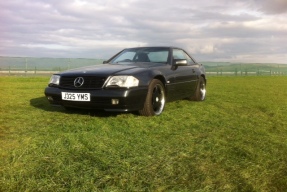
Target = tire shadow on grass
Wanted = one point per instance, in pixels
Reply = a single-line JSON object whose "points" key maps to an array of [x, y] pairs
{"points": [[43, 104]]}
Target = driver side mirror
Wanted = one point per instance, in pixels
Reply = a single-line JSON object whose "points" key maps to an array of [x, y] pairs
{"points": [[104, 62], [180, 62]]}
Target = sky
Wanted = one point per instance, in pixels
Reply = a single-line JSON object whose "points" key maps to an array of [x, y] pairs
{"points": [[227, 31]]}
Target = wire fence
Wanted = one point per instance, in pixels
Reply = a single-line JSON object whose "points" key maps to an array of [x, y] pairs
{"points": [[245, 69], [42, 66], [271, 72], [48, 66]]}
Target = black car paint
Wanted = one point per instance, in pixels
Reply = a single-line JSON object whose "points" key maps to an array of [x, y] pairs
{"points": [[179, 81], [129, 99]]}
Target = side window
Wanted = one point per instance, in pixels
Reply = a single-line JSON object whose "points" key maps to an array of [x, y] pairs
{"points": [[180, 54], [189, 60]]}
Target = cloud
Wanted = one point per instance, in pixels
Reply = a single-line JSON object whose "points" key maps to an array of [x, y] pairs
{"points": [[272, 6], [222, 30]]}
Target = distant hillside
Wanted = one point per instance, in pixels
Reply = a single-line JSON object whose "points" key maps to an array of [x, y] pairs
{"points": [[59, 64], [250, 67], [45, 63]]}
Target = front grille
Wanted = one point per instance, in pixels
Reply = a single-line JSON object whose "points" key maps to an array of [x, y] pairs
{"points": [[89, 82]]}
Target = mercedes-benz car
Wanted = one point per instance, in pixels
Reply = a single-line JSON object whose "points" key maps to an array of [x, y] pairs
{"points": [[139, 79]]}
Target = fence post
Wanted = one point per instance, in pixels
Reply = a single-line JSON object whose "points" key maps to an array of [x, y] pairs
{"points": [[235, 71], [35, 70], [26, 66]]}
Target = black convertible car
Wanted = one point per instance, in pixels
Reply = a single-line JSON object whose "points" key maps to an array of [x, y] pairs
{"points": [[139, 79]]}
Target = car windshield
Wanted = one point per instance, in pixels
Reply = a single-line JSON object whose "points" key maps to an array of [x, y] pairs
{"points": [[142, 55]]}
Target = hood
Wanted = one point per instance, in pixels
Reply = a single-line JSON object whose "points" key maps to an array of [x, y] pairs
{"points": [[108, 69]]}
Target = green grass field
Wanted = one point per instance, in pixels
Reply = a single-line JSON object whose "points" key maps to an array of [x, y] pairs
{"points": [[236, 140]]}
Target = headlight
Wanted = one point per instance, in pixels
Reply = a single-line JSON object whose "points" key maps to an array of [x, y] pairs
{"points": [[123, 81], [54, 80]]}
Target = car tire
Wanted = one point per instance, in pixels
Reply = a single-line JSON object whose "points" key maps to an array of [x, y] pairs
{"points": [[155, 99], [200, 92]]}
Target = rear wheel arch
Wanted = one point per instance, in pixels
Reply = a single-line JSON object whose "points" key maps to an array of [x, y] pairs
{"points": [[200, 92], [202, 75]]}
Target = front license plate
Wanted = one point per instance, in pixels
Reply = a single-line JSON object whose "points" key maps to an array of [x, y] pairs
{"points": [[76, 96]]}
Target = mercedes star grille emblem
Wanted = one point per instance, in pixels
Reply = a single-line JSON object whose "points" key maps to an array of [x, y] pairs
{"points": [[79, 81]]}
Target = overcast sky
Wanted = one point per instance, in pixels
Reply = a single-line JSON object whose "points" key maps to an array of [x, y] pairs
{"points": [[210, 30]]}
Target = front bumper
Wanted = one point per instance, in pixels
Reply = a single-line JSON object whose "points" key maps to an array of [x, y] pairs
{"points": [[128, 99]]}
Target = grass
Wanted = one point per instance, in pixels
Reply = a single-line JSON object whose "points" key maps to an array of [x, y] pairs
{"points": [[236, 140]]}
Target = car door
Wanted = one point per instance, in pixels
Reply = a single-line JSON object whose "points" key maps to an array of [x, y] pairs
{"points": [[185, 76]]}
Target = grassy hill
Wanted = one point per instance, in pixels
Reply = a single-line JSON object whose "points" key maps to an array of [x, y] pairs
{"points": [[242, 68]]}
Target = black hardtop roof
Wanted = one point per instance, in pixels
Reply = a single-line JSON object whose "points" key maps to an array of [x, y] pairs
{"points": [[154, 47]]}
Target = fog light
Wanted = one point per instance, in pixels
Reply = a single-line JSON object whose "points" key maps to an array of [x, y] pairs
{"points": [[115, 101], [50, 98]]}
